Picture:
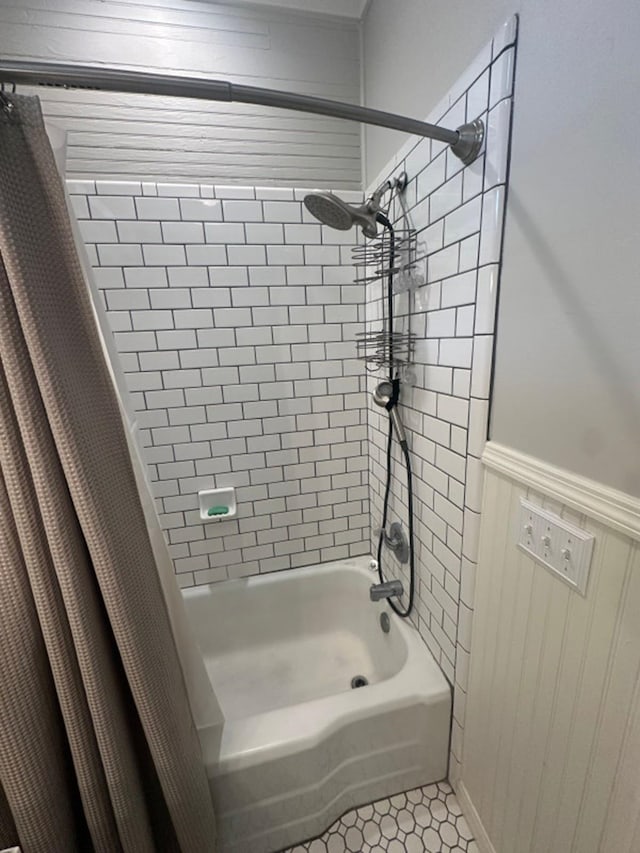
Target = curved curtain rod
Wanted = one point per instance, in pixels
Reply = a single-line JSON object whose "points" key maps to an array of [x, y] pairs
{"points": [[465, 141]]}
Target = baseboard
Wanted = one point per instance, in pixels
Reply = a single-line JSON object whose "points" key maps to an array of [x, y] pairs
{"points": [[473, 819], [609, 506]]}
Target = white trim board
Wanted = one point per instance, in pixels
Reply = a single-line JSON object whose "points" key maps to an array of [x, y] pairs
{"points": [[472, 817], [609, 506]]}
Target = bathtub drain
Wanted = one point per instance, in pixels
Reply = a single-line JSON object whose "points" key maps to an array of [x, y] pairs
{"points": [[359, 681]]}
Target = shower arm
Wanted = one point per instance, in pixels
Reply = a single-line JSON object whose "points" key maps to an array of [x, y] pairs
{"points": [[465, 141]]}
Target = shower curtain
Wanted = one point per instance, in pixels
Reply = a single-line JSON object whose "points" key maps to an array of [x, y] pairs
{"points": [[98, 751]]}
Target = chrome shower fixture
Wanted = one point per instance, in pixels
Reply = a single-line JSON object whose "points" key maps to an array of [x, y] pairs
{"points": [[331, 210], [382, 397]]}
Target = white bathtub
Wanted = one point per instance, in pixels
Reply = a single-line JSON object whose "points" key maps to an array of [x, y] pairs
{"points": [[299, 746]]}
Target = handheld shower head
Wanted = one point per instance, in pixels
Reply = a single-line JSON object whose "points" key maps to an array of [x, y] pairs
{"points": [[381, 397], [331, 210]]}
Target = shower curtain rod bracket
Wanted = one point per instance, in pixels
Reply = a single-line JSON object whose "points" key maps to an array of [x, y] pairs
{"points": [[465, 141]]}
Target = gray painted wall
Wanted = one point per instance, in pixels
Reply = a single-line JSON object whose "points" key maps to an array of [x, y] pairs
{"points": [[139, 137], [567, 372]]}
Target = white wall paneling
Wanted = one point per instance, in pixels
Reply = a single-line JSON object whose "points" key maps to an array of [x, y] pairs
{"points": [[552, 734], [149, 137]]}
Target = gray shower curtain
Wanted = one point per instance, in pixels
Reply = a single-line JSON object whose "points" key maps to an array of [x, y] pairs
{"points": [[98, 751]]}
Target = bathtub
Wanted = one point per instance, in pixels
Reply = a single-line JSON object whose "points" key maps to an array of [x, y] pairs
{"points": [[300, 746]]}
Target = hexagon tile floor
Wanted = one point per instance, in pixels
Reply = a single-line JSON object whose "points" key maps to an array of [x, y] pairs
{"points": [[425, 820]]}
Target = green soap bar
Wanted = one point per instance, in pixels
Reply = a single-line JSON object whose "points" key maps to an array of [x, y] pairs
{"points": [[218, 510]]}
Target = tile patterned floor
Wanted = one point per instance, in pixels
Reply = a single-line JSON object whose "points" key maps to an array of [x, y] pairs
{"points": [[425, 820]]}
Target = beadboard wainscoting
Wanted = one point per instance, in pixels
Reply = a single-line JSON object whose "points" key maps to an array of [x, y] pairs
{"points": [[552, 737], [457, 212], [235, 316], [123, 136]]}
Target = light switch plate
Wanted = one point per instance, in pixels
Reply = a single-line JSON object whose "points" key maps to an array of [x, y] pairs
{"points": [[560, 546]]}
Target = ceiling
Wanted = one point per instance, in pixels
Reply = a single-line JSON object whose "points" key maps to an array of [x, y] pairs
{"points": [[353, 9]]}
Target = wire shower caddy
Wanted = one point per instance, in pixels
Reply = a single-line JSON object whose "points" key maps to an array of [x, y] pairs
{"points": [[374, 262]]}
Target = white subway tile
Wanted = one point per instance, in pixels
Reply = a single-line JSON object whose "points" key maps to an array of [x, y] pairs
{"points": [[176, 340], [431, 177], [506, 35], [183, 232], [249, 296], [188, 277], [454, 410], [145, 277], [228, 276], [478, 425], [241, 211], [447, 197], [139, 232], [264, 233], [198, 255], [234, 192], [481, 367], [246, 255], [193, 318], [478, 97], [501, 77], [201, 210], [79, 205], [111, 207], [443, 263], [118, 187], [458, 290], [157, 208], [455, 352], [127, 300], [232, 317], [152, 320], [178, 190], [282, 211], [307, 233], [211, 297], [497, 144], [224, 232], [266, 276], [120, 321], [463, 221], [285, 255], [98, 231], [486, 300], [274, 193], [115, 255], [491, 233], [81, 187], [441, 324], [155, 255]]}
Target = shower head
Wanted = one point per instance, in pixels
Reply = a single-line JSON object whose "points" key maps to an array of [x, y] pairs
{"points": [[331, 210], [382, 395]]}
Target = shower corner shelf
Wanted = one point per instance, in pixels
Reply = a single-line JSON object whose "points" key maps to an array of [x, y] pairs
{"points": [[377, 351]]}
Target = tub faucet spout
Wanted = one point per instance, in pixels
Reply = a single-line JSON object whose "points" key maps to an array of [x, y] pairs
{"points": [[388, 589]]}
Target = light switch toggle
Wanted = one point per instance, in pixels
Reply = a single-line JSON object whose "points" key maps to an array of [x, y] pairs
{"points": [[557, 544]]}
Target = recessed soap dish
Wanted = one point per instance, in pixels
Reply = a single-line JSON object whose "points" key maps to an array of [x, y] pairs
{"points": [[217, 504]]}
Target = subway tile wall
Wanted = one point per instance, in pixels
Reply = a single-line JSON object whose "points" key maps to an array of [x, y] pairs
{"points": [[458, 214], [234, 314]]}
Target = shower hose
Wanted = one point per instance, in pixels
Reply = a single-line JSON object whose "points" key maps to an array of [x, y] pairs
{"points": [[395, 381]]}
